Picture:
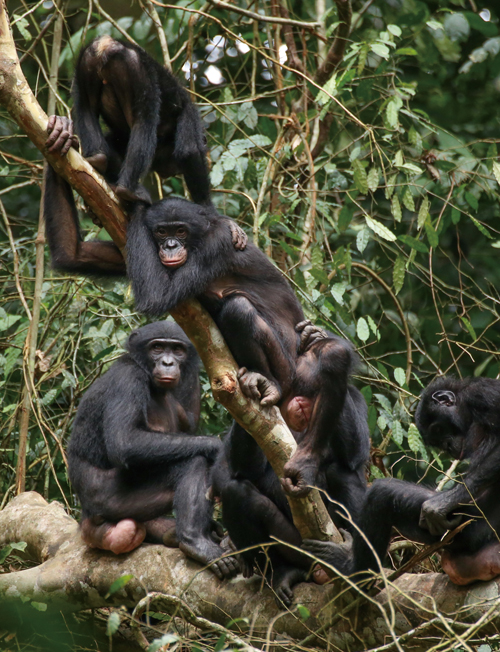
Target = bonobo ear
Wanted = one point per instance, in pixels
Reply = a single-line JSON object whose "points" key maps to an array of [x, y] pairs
{"points": [[150, 281], [445, 397]]}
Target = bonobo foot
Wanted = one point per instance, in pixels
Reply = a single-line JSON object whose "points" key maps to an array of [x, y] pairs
{"points": [[463, 569], [309, 335], [238, 236], [139, 194], [121, 537], [210, 554], [300, 474], [338, 555], [99, 161], [258, 387], [284, 579], [162, 530]]}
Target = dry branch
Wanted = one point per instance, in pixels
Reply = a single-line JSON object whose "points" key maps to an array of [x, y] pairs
{"points": [[72, 577], [268, 428]]}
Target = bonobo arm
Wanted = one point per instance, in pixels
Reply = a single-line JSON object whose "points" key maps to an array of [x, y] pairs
{"points": [[129, 441], [484, 471], [67, 249]]}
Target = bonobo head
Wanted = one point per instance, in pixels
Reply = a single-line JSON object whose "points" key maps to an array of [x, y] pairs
{"points": [[441, 417], [163, 351], [178, 227]]}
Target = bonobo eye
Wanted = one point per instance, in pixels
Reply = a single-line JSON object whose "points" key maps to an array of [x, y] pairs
{"points": [[178, 348], [181, 232], [157, 348], [161, 230], [444, 397]]}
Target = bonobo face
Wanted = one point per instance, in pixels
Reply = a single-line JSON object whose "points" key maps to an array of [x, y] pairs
{"points": [[439, 421], [166, 357], [172, 238]]}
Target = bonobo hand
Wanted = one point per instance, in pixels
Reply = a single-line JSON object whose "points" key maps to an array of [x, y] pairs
{"points": [[300, 475], [258, 387], [60, 135], [239, 236], [309, 335], [434, 518]]}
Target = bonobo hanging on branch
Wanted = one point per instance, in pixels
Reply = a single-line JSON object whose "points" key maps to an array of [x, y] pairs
{"points": [[152, 122], [68, 250], [462, 418], [133, 455]]}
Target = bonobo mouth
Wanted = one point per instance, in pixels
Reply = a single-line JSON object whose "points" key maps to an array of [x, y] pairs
{"points": [[166, 380], [173, 260]]}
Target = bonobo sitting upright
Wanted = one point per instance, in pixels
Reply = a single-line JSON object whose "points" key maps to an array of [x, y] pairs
{"points": [[152, 122], [461, 417], [133, 456]]}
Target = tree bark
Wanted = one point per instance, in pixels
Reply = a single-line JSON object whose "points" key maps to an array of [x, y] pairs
{"points": [[268, 428], [72, 577]]}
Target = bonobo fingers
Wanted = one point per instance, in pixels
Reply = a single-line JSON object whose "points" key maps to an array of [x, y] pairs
{"points": [[299, 477], [435, 518], [239, 236], [226, 568], [60, 135], [258, 387], [309, 335], [284, 594], [139, 194], [216, 531]]}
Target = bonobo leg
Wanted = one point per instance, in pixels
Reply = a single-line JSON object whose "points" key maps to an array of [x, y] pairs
{"points": [[388, 504], [252, 519], [194, 519]]}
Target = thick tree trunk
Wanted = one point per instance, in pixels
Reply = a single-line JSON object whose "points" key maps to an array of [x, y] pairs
{"points": [[270, 431], [71, 577]]}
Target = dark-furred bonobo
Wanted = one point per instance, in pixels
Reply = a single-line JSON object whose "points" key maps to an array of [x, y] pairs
{"points": [[461, 417], [68, 250], [152, 122], [133, 456]]}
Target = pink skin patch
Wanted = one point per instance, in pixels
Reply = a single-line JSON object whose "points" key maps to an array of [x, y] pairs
{"points": [[119, 538], [320, 576], [174, 262], [298, 413], [465, 569]]}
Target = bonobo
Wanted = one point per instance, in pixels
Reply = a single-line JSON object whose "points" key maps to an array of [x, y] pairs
{"points": [[152, 122], [68, 250], [461, 417], [133, 456]]}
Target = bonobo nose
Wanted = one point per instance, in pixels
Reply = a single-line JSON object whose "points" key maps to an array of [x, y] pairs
{"points": [[171, 243]]}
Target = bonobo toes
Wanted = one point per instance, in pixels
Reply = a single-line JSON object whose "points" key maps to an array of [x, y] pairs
{"points": [[283, 582], [309, 335], [210, 554], [299, 476], [99, 161], [258, 387], [238, 236], [139, 194]]}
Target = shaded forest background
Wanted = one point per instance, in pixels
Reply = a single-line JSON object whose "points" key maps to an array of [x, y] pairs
{"points": [[371, 180]]}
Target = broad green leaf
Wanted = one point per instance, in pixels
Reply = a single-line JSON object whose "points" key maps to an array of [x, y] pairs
{"points": [[395, 30], [345, 217], [391, 114], [409, 52], [330, 88], [8, 321], [373, 327], [400, 376], [119, 584], [455, 215], [423, 211], [381, 423], [414, 441], [414, 243], [381, 50], [49, 397], [376, 473], [337, 291], [398, 273], [304, 612], [398, 159], [389, 189], [166, 639], [481, 228], [362, 239], [372, 178], [39, 606], [362, 329], [360, 179], [217, 175], [380, 229], [496, 171], [396, 208], [113, 623], [472, 200], [408, 200], [220, 643], [469, 327], [397, 432], [384, 402]]}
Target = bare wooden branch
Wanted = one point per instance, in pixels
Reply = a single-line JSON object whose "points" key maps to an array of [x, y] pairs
{"points": [[337, 49]]}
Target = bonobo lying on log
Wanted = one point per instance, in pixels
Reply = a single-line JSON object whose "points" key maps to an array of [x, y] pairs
{"points": [[461, 417], [152, 122], [133, 456]]}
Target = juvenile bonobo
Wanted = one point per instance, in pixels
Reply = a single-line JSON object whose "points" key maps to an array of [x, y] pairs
{"points": [[133, 456], [461, 417], [69, 252], [152, 122]]}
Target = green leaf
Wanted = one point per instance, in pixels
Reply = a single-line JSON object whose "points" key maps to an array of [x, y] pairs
{"points": [[382, 423], [432, 236], [345, 217], [397, 432], [496, 171], [414, 440], [220, 643], [304, 612], [362, 329], [469, 327], [39, 606], [395, 30], [472, 201], [8, 321], [391, 183], [423, 211], [373, 327], [166, 639], [380, 229], [396, 208], [376, 473], [338, 290], [414, 243], [381, 50], [383, 400], [408, 200], [118, 584], [400, 376], [103, 353], [372, 178], [362, 239], [360, 178], [330, 88], [398, 273], [49, 397], [409, 52], [455, 215], [113, 623], [481, 228]]}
